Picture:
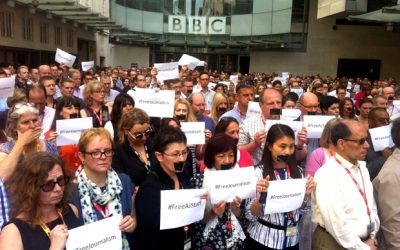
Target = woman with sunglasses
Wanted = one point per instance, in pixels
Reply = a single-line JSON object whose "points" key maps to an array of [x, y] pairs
{"points": [[93, 96], [133, 155], [67, 108], [23, 127], [40, 214], [100, 192], [171, 151], [122, 104]]}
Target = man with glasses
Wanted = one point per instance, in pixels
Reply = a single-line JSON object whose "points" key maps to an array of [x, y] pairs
{"points": [[377, 117], [205, 91], [343, 203], [36, 96], [388, 92]]}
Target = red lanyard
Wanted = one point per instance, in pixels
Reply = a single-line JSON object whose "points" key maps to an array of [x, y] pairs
{"points": [[104, 212], [99, 118], [362, 192], [46, 229], [241, 116]]}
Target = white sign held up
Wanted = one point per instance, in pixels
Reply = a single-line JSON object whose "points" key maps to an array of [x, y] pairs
{"points": [[181, 207], [69, 130], [167, 71], [381, 137], [156, 104], [290, 114], [226, 184], [7, 86], [64, 57], [285, 195], [194, 132], [315, 124], [100, 235], [87, 65], [299, 91], [190, 61], [253, 109]]}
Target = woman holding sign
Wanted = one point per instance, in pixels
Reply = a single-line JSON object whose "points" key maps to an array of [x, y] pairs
{"points": [[276, 230], [222, 229], [101, 192], [171, 151], [40, 215]]}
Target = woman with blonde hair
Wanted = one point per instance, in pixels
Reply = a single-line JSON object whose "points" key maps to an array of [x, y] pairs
{"points": [[219, 107], [183, 111], [94, 96]]}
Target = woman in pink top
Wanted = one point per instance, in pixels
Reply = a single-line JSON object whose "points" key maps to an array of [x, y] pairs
{"points": [[230, 126], [322, 154]]}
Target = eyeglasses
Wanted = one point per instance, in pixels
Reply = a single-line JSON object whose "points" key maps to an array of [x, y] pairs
{"points": [[50, 85], [139, 135], [99, 154], [176, 155], [359, 141], [49, 186]]}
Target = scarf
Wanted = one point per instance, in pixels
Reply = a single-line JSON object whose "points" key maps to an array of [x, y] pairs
{"points": [[90, 193]]}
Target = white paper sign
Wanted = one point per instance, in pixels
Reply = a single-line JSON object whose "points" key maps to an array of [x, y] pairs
{"points": [[167, 71], [226, 184], [381, 137], [299, 91], [64, 57], [100, 235], [285, 75], [190, 61], [296, 126], [194, 132], [7, 86], [396, 103], [69, 130], [233, 78], [159, 104], [226, 83], [253, 109], [290, 114], [87, 65], [285, 195], [315, 124], [181, 207]]}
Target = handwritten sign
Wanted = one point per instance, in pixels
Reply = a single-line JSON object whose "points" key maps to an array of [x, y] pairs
{"points": [[87, 65], [194, 132], [226, 184], [100, 235], [181, 207], [64, 57], [155, 104], [285, 195], [315, 124], [381, 137], [7, 86], [69, 130]]}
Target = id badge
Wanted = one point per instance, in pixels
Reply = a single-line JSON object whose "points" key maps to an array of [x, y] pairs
{"points": [[188, 244], [229, 243], [291, 231], [370, 228]]}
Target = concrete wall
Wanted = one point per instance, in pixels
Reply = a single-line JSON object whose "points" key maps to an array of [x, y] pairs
{"points": [[125, 55], [325, 46]]}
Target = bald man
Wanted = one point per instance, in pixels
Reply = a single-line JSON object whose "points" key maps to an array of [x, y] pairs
{"points": [[388, 92], [44, 70]]}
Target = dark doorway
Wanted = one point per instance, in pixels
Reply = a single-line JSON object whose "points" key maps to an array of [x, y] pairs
{"points": [[244, 64], [359, 68]]}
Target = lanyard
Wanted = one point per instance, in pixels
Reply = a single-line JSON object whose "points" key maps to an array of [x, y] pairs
{"points": [[46, 229], [104, 212], [99, 118], [146, 165], [241, 116], [362, 192]]}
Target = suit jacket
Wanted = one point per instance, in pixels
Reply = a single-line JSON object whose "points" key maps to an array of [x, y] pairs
{"points": [[387, 197]]}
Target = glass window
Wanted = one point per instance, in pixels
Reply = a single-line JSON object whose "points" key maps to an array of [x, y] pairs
{"points": [[243, 7], [152, 5]]}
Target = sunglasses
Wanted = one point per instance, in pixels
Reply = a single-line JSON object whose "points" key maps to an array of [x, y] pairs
{"points": [[49, 186], [140, 135], [359, 141]]}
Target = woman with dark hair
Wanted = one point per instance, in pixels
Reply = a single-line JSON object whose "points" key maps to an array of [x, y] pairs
{"points": [[171, 151], [40, 214], [268, 231], [122, 104], [173, 122], [346, 109], [67, 108], [220, 88], [329, 105], [230, 126], [222, 229], [289, 101], [133, 154]]}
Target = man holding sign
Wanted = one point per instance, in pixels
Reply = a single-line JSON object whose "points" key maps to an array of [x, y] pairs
{"points": [[278, 228]]}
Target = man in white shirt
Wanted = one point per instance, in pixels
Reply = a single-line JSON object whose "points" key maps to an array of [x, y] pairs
{"points": [[343, 203], [208, 94]]}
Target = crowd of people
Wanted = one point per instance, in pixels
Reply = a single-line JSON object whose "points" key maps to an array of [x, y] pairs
{"points": [[120, 166]]}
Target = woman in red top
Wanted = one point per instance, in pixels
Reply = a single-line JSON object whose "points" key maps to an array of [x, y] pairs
{"points": [[67, 108], [230, 126]]}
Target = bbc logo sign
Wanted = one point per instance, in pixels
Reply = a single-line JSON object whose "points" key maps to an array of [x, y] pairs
{"points": [[197, 25]]}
